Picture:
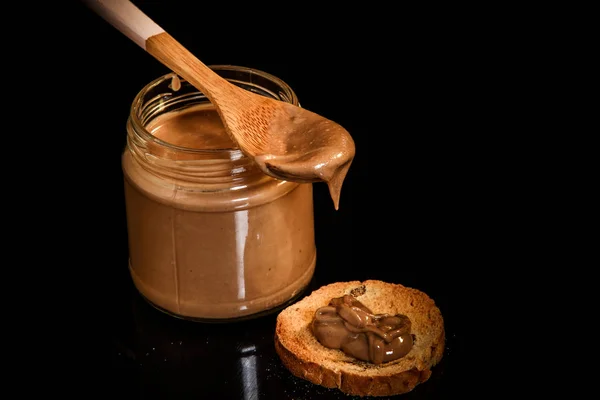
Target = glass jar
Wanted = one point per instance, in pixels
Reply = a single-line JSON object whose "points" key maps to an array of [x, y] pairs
{"points": [[211, 237]]}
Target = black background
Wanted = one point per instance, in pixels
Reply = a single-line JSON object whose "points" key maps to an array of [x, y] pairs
{"points": [[420, 204]]}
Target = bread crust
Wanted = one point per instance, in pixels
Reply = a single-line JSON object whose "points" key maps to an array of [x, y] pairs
{"points": [[306, 358]]}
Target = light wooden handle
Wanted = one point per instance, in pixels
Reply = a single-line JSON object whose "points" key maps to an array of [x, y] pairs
{"points": [[131, 21], [127, 18]]}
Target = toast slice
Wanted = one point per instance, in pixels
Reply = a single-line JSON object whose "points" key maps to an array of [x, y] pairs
{"points": [[303, 355]]}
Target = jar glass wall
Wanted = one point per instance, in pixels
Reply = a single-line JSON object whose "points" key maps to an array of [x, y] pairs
{"points": [[210, 236]]}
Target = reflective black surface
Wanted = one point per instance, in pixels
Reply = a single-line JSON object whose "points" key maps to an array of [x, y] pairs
{"points": [[155, 355]]}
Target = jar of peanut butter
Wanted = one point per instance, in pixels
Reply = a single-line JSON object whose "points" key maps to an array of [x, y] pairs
{"points": [[211, 238]]}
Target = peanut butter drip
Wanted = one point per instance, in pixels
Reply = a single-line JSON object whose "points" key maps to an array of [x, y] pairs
{"points": [[348, 325], [310, 150]]}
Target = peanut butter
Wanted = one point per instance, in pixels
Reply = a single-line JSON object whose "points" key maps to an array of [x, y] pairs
{"points": [[310, 149], [348, 325], [210, 235]]}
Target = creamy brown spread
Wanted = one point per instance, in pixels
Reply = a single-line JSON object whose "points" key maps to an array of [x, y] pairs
{"points": [[175, 83], [190, 254], [309, 149], [350, 326], [197, 127]]}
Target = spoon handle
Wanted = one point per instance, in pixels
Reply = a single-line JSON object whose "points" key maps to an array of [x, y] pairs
{"points": [[127, 18], [137, 26]]}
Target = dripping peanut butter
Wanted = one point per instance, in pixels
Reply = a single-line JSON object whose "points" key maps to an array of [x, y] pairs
{"points": [[321, 152], [350, 326]]}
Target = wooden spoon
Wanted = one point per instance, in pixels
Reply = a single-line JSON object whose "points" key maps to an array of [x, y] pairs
{"points": [[286, 141]]}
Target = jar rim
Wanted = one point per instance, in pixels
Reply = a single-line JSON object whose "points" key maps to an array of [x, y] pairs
{"points": [[138, 102]]}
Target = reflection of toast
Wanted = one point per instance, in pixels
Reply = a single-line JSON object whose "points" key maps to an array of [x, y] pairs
{"points": [[306, 358]]}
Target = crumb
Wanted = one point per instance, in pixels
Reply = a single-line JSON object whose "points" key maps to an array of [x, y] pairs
{"points": [[359, 291]]}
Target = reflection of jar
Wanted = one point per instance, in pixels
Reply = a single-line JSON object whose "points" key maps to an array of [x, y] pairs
{"points": [[211, 236]]}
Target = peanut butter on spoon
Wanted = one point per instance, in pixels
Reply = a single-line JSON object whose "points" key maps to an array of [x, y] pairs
{"points": [[286, 141], [306, 147]]}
